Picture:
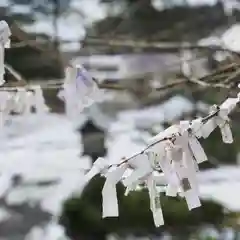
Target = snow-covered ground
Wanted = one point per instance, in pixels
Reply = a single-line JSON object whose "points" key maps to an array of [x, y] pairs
{"points": [[49, 151], [45, 150], [221, 185]]}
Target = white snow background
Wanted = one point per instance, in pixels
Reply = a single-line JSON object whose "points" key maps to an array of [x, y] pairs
{"points": [[50, 148]]}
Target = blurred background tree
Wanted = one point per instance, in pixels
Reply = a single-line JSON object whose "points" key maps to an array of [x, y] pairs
{"points": [[82, 216]]}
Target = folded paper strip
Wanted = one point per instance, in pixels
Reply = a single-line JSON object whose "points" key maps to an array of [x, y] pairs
{"points": [[5, 34], [79, 90]]}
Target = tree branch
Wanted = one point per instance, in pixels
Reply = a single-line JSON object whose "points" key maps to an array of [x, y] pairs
{"points": [[169, 46]]}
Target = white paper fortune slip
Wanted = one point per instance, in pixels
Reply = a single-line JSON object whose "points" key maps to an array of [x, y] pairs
{"points": [[109, 192], [221, 120], [5, 34], [155, 204], [80, 90], [188, 187], [188, 130], [142, 167]]}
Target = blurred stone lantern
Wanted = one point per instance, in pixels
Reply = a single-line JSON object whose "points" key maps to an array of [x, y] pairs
{"points": [[93, 139]]}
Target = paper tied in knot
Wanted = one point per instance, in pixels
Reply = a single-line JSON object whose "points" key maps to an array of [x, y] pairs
{"points": [[155, 203], [184, 164], [20, 100], [82, 76], [186, 56], [220, 120], [39, 101], [191, 151], [5, 33], [188, 186], [6, 105], [163, 159], [196, 127], [230, 103], [80, 90], [190, 131], [99, 166], [223, 121], [142, 168], [174, 156]]}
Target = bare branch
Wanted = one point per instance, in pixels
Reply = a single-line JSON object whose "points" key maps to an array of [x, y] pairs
{"points": [[169, 46]]}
